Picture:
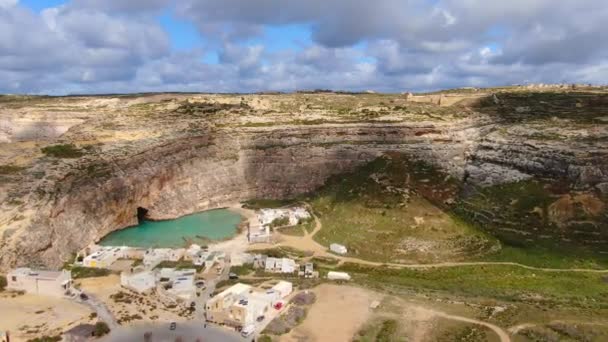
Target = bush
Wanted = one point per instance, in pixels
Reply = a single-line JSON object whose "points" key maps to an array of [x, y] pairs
{"points": [[88, 272], [46, 339], [279, 222], [101, 329], [9, 169], [265, 338], [2, 283], [63, 151], [387, 331]]}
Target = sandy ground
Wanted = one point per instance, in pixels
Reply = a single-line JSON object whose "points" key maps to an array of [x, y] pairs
{"points": [[28, 316], [337, 314], [142, 308]]}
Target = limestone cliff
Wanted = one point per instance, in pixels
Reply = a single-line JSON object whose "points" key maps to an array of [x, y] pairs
{"points": [[177, 154]]}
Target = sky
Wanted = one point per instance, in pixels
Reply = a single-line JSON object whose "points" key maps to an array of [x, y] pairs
{"points": [[116, 46]]}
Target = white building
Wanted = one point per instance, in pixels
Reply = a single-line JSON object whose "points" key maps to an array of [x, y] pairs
{"points": [[338, 249], [294, 215], [193, 252], [280, 265], [284, 288], [331, 275], [47, 283], [183, 286], [240, 305], [259, 234], [213, 258], [153, 257], [103, 257], [180, 283], [139, 282]]}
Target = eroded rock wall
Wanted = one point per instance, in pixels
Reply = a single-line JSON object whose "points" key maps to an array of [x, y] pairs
{"points": [[215, 170]]}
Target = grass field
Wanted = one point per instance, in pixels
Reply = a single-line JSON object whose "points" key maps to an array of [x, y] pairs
{"points": [[379, 214], [396, 210], [501, 282]]}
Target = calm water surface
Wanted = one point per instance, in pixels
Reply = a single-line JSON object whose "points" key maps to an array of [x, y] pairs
{"points": [[196, 228]]}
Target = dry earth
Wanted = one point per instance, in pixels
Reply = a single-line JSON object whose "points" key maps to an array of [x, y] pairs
{"points": [[32, 316], [336, 315], [141, 307]]}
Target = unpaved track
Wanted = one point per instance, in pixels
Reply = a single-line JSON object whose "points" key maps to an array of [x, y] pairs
{"points": [[307, 243], [502, 334]]}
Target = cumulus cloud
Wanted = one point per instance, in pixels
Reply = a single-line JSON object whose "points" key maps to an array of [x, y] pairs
{"points": [[387, 45]]}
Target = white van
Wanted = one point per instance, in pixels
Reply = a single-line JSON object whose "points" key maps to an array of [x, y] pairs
{"points": [[248, 330]]}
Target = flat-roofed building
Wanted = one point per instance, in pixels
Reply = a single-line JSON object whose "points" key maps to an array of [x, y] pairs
{"points": [[102, 258], [217, 308], [338, 248], [47, 283], [240, 305], [139, 282], [284, 288], [280, 265]]}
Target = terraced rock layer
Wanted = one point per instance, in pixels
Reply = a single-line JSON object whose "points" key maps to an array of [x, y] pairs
{"points": [[174, 160]]}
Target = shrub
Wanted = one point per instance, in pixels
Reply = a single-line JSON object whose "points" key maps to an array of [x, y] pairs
{"points": [[9, 169], [387, 331], [46, 339], [63, 151], [88, 272], [265, 338], [279, 222], [2, 283], [101, 329]]}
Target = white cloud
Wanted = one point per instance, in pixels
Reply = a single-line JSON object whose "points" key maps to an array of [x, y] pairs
{"points": [[387, 45]]}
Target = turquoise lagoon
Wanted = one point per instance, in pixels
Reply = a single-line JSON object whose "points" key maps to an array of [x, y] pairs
{"points": [[198, 228]]}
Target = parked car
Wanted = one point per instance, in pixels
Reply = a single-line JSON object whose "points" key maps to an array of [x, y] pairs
{"points": [[233, 276], [83, 296], [172, 326], [260, 318]]}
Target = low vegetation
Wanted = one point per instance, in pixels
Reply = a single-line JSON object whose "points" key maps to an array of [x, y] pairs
{"points": [[101, 329], [267, 203], [242, 270], [10, 169], [56, 338], [279, 222], [384, 331], [63, 151], [502, 282], [88, 272], [180, 265], [380, 213]]}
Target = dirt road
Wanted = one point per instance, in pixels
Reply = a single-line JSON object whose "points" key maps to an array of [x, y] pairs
{"points": [[502, 334]]}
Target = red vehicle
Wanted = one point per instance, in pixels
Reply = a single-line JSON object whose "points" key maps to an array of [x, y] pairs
{"points": [[278, 305]]}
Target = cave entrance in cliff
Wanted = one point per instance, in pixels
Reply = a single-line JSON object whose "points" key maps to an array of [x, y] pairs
{"points": [[142, 214]]}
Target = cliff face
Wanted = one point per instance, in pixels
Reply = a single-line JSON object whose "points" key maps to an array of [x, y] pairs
{"points": [[188, 165]]}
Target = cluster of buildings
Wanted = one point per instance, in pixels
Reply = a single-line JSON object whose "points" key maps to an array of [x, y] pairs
{"points": [[284, 265], [242, 306], [293, 215], [104, 256], [259, 228]]}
